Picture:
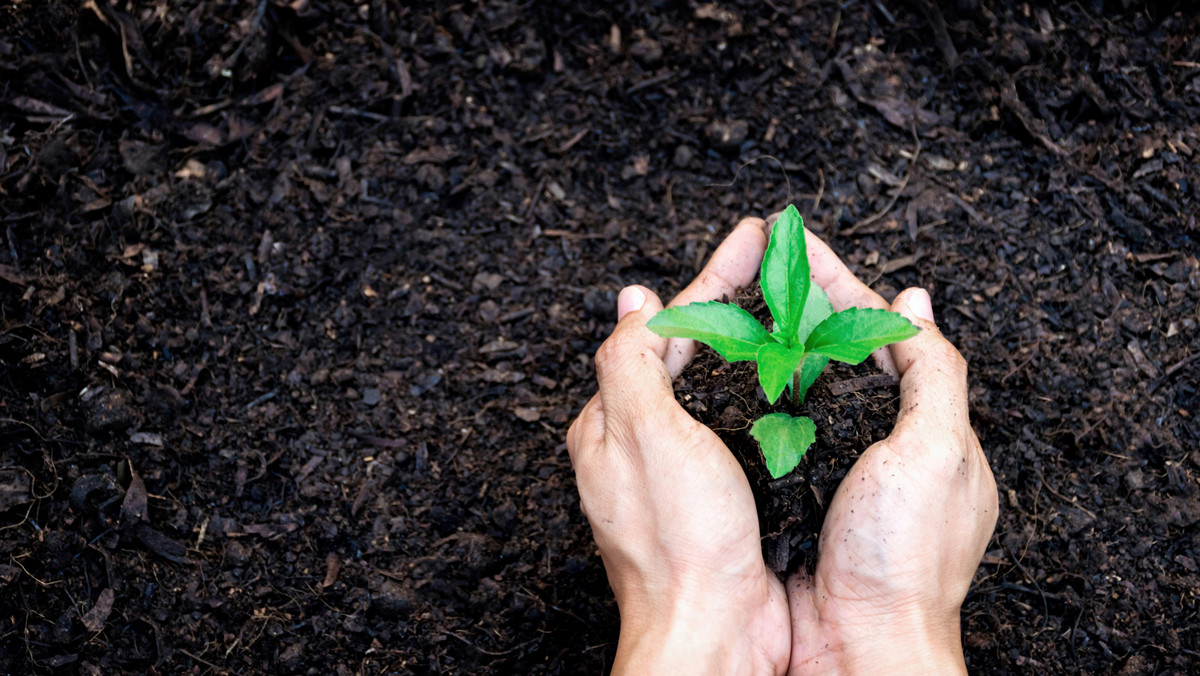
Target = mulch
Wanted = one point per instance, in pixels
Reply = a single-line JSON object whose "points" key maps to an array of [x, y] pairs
{"points": [[297, 302]]}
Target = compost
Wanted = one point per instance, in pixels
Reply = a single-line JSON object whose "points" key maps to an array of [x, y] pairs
{"points": [[298, 299]]}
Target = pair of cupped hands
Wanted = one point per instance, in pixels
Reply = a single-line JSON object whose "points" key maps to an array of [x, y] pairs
{"points": [[675, 522]]}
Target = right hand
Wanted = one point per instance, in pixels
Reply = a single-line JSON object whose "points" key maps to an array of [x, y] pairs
{"points": [[909, 524], [671, 510]]}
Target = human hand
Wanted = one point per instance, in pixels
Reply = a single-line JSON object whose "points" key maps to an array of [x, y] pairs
{"points": [[670, 508], [909, 524]]}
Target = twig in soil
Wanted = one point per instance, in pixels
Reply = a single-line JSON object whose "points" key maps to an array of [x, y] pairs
{"points": [[1045, 603], [446, 281], [1018, 368], [354, 112], [884, 11], [787, 481], [22, 422], [912, 166], [1071, 501], [1091, 427], [490, 652], [555, 232], [381, 442], [259, 15], [534, 597], [205, 315], [570, 143], [1033, 124], [962, 204], [31, 576], [12, 246], [820, 190], [1033, 592], [1074, 630], [656, 80], [747, 163], [833, 31], [864, 383], [514, 315], [670, 132], [263, 399], [1173, 368], [941, 35], [23, 519], [533, 201], [208, 664]]}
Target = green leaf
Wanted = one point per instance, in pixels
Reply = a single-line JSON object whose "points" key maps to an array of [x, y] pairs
{"points": [[734, 333], [783, 440], [812, 367], [776, 363], [784, 275], [852, 335], [817, 309]]}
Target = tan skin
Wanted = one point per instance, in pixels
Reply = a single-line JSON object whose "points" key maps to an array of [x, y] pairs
{"points": [[674, 518]]}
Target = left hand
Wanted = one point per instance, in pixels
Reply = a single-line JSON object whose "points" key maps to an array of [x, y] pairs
{"points": [[671, 510]]}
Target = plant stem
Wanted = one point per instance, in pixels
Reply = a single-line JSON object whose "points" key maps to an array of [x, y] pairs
{"points": [[796, 387]]}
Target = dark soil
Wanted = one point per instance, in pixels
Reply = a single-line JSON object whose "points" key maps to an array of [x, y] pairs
{"points": [[298, 299], [852, 406]]}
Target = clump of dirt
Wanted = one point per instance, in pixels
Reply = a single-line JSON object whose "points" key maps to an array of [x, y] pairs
{"points": [[853, 407]]}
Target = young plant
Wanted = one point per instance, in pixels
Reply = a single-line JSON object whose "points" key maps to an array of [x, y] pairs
{"points": [[806, 334]]}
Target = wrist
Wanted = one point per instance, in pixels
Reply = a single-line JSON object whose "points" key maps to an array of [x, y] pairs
{"points": [[891, 645], [695, 633], [906, 656], [672, 648]]}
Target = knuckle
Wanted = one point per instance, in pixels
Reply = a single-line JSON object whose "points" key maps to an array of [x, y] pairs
{"points": [[606, 355], [613, 351], [948, 356], [910, 442], [585, 434], [956, 361], [623, 348], [573, 438]]}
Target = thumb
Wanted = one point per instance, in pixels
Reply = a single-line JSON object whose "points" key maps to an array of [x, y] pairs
{"points": [[629, 365], [804, 602], [933, 375]]}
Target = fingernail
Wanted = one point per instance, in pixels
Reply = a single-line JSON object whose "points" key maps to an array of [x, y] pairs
{"points": [[920, 304], [631, 299]]}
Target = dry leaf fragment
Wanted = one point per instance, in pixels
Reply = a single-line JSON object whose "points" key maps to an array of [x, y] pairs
{"points": [[134, 507], [264, 95], [95, 618], [527, 413]]}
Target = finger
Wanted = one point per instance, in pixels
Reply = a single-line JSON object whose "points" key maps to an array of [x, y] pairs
{"points": [[800, 592], [634, 381], [933, 375], [586, 432], [806, 619], [588, 429], [844, 288], [732, 266], [830, 273]]}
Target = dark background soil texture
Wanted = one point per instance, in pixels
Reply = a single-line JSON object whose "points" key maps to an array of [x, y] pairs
{"points": [[297, 300]]}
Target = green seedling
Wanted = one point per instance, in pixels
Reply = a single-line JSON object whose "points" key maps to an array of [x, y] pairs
{"points": [[806, 334]]}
